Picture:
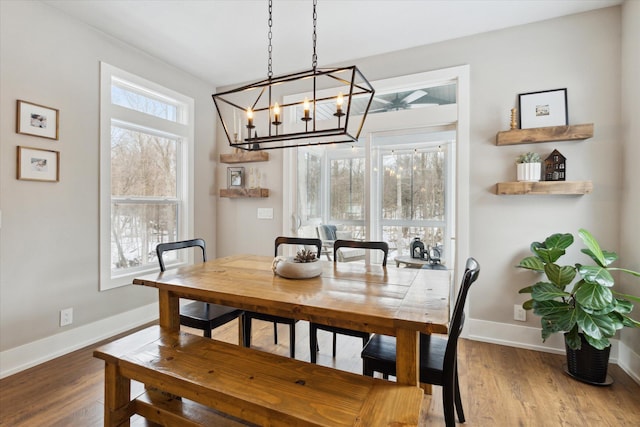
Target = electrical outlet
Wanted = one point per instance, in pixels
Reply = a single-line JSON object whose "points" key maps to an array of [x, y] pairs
{"points": [[66, 316], [519, 313]]}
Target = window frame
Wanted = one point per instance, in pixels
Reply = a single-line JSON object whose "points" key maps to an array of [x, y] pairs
{"points": [[182, 130]]}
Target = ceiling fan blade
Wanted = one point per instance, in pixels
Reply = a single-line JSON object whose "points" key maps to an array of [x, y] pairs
{"points": [[384, 101], [414, 96]]}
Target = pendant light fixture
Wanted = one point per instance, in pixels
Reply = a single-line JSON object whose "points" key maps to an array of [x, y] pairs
{"points": [[331, 109]]}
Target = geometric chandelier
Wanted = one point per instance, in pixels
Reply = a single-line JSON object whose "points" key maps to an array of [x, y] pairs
{"points": [[331, 109]]}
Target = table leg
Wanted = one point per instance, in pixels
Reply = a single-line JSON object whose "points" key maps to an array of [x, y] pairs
{"points": [[117, 392], [407, 356], [169, 310]]}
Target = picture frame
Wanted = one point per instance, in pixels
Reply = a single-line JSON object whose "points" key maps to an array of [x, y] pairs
{"points": [[543, 109], [36, 164], [235, 177], [37, 120]]}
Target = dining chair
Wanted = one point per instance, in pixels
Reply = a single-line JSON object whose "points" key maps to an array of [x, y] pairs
{"points": [[250, 315], [313, 327], [438, 355], [197, 314]]}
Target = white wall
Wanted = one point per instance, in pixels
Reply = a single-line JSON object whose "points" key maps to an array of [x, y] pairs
{"points": [[581, 53], [49, 233], [630, 215]]}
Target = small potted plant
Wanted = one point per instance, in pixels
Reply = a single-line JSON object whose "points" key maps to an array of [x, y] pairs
{"points": [[528, 167], [303, 266], [589, 311]]}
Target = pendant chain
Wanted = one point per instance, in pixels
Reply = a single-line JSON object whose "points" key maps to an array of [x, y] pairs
{"points": [[314, 58], [270, 50]]}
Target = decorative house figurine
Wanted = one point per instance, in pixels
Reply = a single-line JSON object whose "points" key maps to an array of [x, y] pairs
{"points": [[555, 167]]}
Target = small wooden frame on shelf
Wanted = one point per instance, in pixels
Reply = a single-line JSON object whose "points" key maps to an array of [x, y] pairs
{"points": [[236, 193], [546, 134], [245, 157], [544, 188]]}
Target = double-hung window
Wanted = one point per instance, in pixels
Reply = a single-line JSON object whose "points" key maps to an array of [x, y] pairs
{"points": [[146, 159]]}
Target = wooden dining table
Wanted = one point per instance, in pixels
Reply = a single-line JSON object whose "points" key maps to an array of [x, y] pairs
{"points": [[400, 302]]}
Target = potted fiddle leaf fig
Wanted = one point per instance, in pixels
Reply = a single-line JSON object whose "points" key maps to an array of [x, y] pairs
{"points": [[579, 300]]}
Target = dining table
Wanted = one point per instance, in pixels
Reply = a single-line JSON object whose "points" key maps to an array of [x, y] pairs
{"points": [[400, 302]]}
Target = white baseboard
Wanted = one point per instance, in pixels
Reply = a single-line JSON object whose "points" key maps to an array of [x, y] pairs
{"points": [[26, 356], [529, 338]]}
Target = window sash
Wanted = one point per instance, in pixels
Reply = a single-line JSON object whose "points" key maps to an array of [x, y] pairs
{"points": [[180, 203]]}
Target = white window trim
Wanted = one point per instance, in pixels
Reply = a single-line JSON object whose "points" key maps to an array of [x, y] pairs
{"points": [[184, 128]]}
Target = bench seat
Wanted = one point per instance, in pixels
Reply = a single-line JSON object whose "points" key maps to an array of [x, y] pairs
{"points": [[249, 385]]}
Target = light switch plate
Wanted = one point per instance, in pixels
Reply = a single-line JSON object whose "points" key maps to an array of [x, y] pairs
{"points": [[265, 213]]}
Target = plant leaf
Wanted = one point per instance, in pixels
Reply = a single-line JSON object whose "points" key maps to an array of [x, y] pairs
{"points": [[549, 255], [594, 326], [594, 296], [561, 276], [573, 338], [532, 263], [609, 257], [556, 315], [631, 297], [593, 247], [595, 274], [629, 322], [528, 304], [545, 291], [600, 344], [560, 241], [544, 308], [623, 306], [526, 290]]}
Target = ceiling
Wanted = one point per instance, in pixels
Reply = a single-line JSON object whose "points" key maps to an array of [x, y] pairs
{"points": [[225, 41]]}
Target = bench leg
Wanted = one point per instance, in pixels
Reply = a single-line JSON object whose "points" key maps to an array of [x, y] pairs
{"points": [[117, 397]]}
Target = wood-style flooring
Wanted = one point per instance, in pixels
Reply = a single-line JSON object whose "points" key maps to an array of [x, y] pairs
{"points": [[500, 386]]}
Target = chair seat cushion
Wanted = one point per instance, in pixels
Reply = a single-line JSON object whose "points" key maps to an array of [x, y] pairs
{"points": [[198, 311], [381, 353]]}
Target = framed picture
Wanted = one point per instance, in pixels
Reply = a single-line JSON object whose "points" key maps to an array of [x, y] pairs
{"points": [[35, 164], [38, 120], [541, 109], [235, 177]]}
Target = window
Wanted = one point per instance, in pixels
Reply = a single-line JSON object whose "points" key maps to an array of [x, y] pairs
{"points": [[403, 179], [414, 188], [146, 139]]}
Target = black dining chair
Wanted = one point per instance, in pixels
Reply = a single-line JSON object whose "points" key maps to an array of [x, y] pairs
{"points": [[249, 315], [438, 355], [197, 314], [313, 327]]}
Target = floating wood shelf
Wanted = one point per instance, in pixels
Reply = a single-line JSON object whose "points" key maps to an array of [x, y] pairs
{"points": [[245, 157], [544, 187], [236, 193], [547, 134]]}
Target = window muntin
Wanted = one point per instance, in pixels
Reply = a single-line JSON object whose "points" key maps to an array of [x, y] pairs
{"points": [[146, 182]]}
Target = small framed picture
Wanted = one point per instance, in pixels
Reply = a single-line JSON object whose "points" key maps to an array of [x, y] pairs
{"points": [[235, 177], [35, 164], [38, 120], [542, 109]]}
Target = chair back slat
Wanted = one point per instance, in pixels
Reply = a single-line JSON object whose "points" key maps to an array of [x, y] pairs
{"points": [[383, 246], [172, 246], [307, 241], [471, 272]]}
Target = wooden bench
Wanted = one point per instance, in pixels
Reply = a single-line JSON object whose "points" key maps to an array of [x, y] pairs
{"points": [[216, 381]]}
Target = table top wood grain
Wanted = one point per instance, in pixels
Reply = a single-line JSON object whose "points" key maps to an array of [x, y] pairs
{"points": [[351, 295]]}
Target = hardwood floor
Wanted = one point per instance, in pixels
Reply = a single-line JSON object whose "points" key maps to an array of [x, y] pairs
{"points": [[500, 386]]}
